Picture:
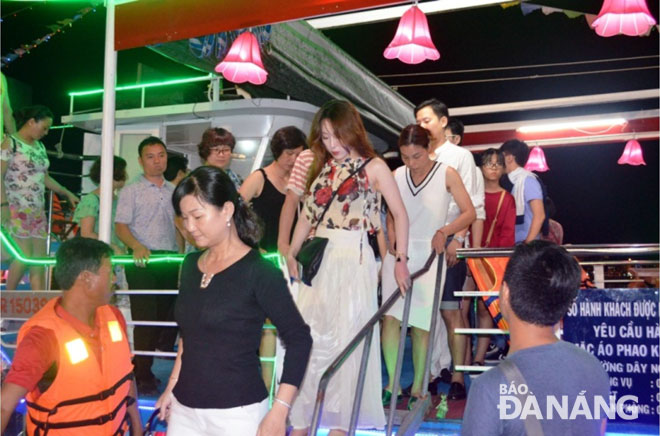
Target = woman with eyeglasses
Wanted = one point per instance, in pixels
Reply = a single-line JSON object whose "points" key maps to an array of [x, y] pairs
{"points": [[216, 150], [499, 231]]}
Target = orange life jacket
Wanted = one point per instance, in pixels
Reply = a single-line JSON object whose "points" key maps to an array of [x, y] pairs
{"points": [[85, 398], [488, 273]]}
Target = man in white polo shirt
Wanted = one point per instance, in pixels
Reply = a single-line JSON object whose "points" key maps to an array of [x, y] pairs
{"points": [[433, 115]]}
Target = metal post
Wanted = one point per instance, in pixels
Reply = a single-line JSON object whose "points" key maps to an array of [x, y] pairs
{"points": [[599, 276], [365, 331], [142, 97], [396, 383], [48, 239], [318, 407], [108, 126], [434, 323], [215, 86], [414, 418], [359, 388]]}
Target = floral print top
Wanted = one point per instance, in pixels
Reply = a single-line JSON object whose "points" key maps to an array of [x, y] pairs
{"points": [[89, 206], [356, 205], [25, 178]]}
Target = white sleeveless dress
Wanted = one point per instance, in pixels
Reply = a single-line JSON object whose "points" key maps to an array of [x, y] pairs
{"points": [[427, 205], [341, 300]]}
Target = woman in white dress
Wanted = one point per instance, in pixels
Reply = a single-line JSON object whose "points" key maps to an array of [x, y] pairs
{"points": [[426, 188], [342, 296]]}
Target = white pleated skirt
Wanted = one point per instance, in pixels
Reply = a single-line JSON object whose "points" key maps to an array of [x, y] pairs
{"points": [[340, 301]]}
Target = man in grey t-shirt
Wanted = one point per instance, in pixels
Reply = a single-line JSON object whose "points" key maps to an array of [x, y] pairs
{"points": [[554, 378]]}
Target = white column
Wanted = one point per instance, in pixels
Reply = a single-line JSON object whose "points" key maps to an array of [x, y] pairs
{"points": [[108, 126]]}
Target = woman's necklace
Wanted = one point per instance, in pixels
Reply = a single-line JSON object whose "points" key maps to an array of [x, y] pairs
{"points": [[206, 277]]}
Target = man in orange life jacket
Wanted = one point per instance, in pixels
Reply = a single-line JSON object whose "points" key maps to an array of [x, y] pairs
{"points": [[73, 361]]}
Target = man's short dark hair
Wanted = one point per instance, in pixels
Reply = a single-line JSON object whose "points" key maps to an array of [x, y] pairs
{"points": [[456, 127], [543, 281], [77, 255], [150, 141], [175, 163], [439, 108], [518, 149]]}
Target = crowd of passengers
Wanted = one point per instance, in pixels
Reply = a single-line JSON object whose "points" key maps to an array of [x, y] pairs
{"points": [[381, 220]]}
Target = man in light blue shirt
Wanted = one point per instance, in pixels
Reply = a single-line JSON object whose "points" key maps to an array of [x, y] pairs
{"points": [[144, 222]]}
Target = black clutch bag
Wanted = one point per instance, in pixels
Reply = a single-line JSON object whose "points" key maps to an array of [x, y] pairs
{"points": [[310, 257]]}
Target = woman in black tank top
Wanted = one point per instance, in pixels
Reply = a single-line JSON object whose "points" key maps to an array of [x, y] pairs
{"points": [[264, 189], [268, 206]]}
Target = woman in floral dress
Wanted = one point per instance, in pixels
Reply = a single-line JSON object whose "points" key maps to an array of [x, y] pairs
{"points": [[24, 181], [342, 296]]}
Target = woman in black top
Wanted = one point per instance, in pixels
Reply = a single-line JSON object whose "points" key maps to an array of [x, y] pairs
{"points": [[265, 188], [225, 295]]}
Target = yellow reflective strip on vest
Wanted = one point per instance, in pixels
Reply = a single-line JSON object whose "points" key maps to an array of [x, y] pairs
{"points": [[115, 331], [76, 350]]}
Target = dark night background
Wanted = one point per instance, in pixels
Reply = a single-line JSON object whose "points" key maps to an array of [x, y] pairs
{"points": [[598, 201]]}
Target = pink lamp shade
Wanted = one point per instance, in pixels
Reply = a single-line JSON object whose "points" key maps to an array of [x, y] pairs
{"points": [[536, 161], [412, 42], [632, 154], [243, 61], [628, 17]]}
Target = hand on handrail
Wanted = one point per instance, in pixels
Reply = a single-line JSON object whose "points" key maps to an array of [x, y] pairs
{"points": [[439, 241], [402, 275]]}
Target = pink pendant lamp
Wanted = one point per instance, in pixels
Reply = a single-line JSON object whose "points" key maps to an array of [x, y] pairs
{"points": [[412, 42], [536, 161], [632, 154], [628, 17], [243, 61]]}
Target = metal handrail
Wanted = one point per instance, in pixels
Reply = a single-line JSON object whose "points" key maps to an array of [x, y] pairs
{"points": [[71, 156], [619, 262], [57, 173], [575, 250], [365, 333], [215, 81], [412, 420]]}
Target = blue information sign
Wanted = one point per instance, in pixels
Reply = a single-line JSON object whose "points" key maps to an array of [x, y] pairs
{"points": [[620, 327]]}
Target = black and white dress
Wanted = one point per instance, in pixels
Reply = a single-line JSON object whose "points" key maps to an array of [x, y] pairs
{"points": [[427, 205]]}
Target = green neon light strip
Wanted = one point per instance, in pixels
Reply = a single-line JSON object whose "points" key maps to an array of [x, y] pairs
{"points": [[17, 253], [64, 1], [145, 85], [63, 126]]}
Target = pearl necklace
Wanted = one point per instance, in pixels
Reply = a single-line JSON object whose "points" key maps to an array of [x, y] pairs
{"points": [[206, 277]]}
